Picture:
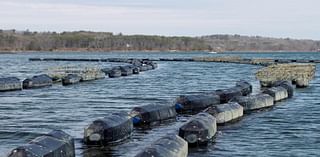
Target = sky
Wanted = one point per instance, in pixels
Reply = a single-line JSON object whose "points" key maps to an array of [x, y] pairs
{"points": [[298, 19]]}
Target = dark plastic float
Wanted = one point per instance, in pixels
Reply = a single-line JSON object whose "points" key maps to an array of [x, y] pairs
{"points": [[55, 144], [168, 146], [193, 103], [227, 94], [126, 70], [246, 87], [10, 84], [152, 113], [287, 85], [71, 79], [114, 128], [115, 72], [199, 130], [37, 82]]}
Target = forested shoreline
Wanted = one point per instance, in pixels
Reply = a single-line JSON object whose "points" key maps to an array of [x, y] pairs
{"points": [[12, 41]]}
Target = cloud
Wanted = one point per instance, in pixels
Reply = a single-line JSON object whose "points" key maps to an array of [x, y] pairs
{"points": [[92, 15]]}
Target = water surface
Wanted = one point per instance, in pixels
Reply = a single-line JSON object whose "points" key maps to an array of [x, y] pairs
{"points": [[291, 128]]}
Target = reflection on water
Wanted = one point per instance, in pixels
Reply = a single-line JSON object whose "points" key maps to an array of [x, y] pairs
{"points": [[289, 129]]}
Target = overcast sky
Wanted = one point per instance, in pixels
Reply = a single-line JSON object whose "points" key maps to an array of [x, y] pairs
{"points": [[274, 18]]}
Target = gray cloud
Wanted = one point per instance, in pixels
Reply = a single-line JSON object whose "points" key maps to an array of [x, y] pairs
{"points": [[277, 18]]}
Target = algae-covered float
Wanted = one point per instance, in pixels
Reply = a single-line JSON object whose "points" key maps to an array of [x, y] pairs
{"points": [[167, 146], [111, 129], [10, 84], [147, 114], [86, 73], [300, 74], [54, 144], [90, 74], [199, 130]]}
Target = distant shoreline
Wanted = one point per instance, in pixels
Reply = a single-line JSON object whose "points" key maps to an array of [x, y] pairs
{"points": [[147, 51], [86, 41]]}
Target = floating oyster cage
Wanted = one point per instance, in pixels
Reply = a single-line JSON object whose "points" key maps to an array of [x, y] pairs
{"points": [[73, 69], [59, 72]]}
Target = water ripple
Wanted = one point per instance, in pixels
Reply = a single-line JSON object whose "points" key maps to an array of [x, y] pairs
{"points": [[291, 128]]}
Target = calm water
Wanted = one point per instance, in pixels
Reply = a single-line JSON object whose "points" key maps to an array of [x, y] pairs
{"points": [[291, 128]]}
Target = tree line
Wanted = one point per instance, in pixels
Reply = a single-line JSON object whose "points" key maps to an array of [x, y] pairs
{"points": [[12, 40]]}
